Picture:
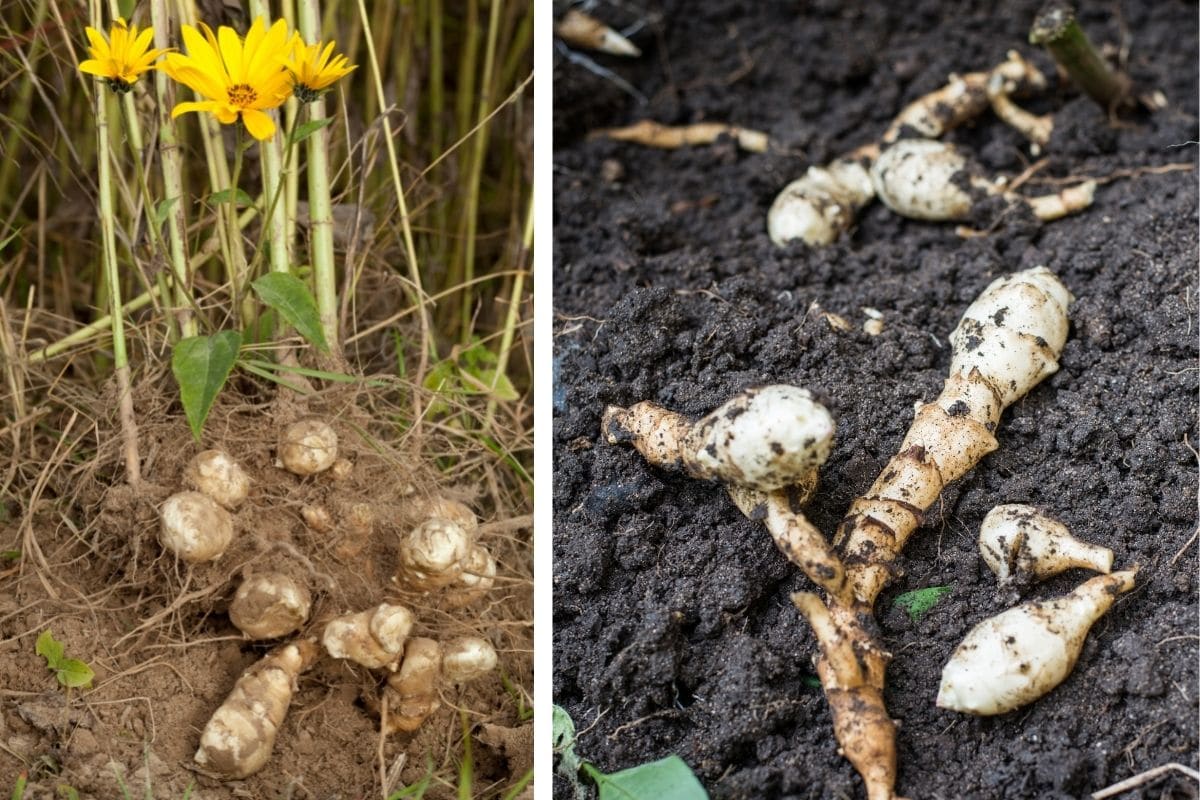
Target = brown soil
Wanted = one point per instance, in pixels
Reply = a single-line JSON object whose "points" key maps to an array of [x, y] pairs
{"points": [[674, 632], [157, 634]]}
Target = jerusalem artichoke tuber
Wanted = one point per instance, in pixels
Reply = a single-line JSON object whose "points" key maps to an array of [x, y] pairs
{"points": [[216, 474], [467, 658], [819, 206], [269, 605], [431, 555], [238, 739], [412, 691], [308, 447], [373, 638], [1021, 544], [1016, 657], [583, 30], [194, 527]]}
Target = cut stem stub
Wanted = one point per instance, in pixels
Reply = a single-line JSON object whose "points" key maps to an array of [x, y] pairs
{"points": [[1056, 29]]}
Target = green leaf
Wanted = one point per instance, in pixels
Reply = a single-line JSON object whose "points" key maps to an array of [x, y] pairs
{"points": [[288, 295], [918, 602], [126, 7], [307, 129], [9, 238], [201, 365], [18, 792], [49, 648], [9, 555], [73, 673], [667, 779], [69, 792], [238, 196], [162, 210]]}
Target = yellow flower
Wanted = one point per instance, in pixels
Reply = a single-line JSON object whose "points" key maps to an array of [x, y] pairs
{"points": [[121, 58], [313, 70], [239, 79]]}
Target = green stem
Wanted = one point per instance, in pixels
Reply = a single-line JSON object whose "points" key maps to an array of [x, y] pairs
{"points": [[320, 203], [1056, 29], [240, 272]]}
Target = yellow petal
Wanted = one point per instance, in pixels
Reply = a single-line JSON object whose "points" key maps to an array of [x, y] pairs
{"points": [[184, 108], [142, 42], [260, 124], [94, 67], [231, 52], [201, 51], [99, 46]]}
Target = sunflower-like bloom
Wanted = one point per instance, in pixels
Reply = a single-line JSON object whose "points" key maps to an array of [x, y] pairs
{"points": [[314, 68], [240, 79], [121, 58]]}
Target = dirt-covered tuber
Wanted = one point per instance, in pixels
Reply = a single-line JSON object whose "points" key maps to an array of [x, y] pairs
{"points": [[583, 30], [431, 555], [764, 438], [269, 605], [308, 447], [412, 691], [819, 206], [933, 180], [1021, 545], [476, 576], [238, 739], [194, 527], [216, 474], [467, 658], [1016, 657], [373, 638]]}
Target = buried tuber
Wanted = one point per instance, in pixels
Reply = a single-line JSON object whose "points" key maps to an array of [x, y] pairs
{"points": [[238, 739], [412, 692], [441, 553], [194, 527], [1016, 657], [373, 638], [269, 605], [216, 474], [308, 447], [1021, 545]]}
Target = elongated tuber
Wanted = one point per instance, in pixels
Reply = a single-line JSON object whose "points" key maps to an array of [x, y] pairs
{"points": [[374, 638], [194, 527], [1016, 657], [764, 438], [672, 137], [308, 447], [216, 474], [1020, 544], [467, 658], [932, 180], [238, 739], [584, 30], [269, 605], [412, 691]]}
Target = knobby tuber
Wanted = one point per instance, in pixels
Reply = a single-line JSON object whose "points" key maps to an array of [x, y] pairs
{"points": [[308, 447], [672, 137], [1016, 657], [467, 658], [216, 474], [1008, 340], [932, 180], [194, 527], [238, 739], [439, 507], [584, 30], [412, 691], [1021, 545], [374, 638], [764, 438], [431, 555], [269, 605], [476, 576]]}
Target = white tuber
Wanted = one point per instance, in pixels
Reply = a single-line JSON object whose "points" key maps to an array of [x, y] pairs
{"points": [[763, 439], [194, 527], [308, 447], [216, 474], [317, 518], [269, 605], [412, 691], [933, 180], [1016, 657], [1021, 544], [818, 207], [373, 638], [467, 658], [476, 577], [238, 739], [431, 555], [583, 30], [440, 507]]}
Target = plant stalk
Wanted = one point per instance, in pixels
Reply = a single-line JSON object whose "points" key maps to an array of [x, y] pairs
{"points": [[1056, 29]]}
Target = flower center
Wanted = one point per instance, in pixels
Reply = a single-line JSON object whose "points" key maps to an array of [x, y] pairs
{"points": [[242, 95], [304, 93]]}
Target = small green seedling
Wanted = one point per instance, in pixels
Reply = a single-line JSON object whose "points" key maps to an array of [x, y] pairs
{"points": [[71, 672], [917, 603], [668, 778]]}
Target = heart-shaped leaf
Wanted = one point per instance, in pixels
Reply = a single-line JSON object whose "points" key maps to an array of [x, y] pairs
{"points": [[289, 295], [201, 365]]}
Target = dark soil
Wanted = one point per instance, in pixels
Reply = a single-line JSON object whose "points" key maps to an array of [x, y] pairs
{"points": [[673, 628], [157, 632]]}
